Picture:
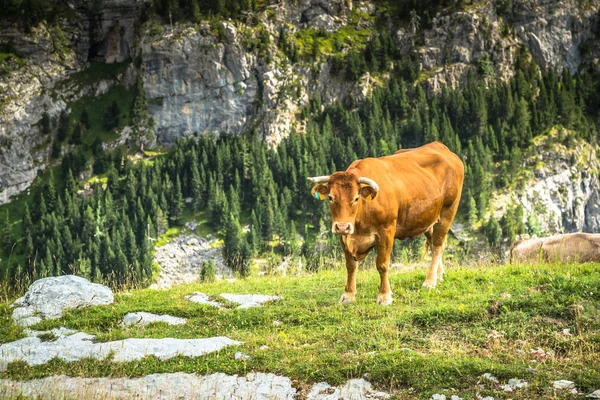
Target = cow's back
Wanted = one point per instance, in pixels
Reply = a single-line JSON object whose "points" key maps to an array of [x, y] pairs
{"points": [[568, 248], [415, 184]]}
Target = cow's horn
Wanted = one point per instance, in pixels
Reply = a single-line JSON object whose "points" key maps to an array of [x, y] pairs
{"points": [[369, 182], [319, 179]]}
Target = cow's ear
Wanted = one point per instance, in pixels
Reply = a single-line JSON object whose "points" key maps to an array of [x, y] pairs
{"points": [[320, 192], [368, 193]]}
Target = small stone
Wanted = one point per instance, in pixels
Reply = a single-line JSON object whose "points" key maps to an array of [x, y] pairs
{"points": [[563, 384], [438, 397], [594, 395], [488, 376], [277, 323], [514, 384], [567, 332], [241, 356], [495, 335], [533, 371], [455, 397], [264, 347], [487, 398], [505, 296]]}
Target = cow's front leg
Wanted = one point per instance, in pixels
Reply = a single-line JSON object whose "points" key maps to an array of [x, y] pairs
{"points": [[384, 251], [351, 267]]}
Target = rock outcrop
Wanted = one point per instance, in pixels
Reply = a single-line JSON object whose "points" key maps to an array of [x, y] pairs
{"points": [[47, 298], [563, 194], [72, 346], [181, 260], [556, 33], [259, 386]]}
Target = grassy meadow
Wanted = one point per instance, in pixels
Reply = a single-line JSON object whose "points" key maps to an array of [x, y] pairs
{"points": [[506, 320]]}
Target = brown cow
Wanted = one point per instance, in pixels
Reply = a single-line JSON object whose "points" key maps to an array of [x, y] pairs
{"points": [[376, 200], [570, 248]]}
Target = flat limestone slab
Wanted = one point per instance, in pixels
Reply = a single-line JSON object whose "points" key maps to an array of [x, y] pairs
{"points": [[180, 385], [202, 298], [34, 351], [255, 386], [145, 318], [249, 300], [244, 300]]}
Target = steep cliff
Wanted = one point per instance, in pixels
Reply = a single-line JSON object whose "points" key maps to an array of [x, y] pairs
{"points": [[559, 188]]}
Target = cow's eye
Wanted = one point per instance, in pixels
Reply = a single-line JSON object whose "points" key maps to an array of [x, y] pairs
{"points": [[356, 199], [330, 198]]}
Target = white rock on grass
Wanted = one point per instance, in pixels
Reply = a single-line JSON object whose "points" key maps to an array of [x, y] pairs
{"points": [[34, 351], [594, 395], [145, 318], [47, 298], [514, 384], [241, 356], [488, 376], [438, 396], [563, 384], [354, 389], [249, 300], [202, 298], [256, 386]]}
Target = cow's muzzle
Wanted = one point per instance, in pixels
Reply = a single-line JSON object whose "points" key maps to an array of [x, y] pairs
{"points": [[342, 228]]}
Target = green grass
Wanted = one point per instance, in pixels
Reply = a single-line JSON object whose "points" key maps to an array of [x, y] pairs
{"points": [[426, 340], [94, 73], [348, 36], [96, 107]]}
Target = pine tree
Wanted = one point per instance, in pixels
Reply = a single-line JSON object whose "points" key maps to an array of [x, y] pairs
{"points": [[493, 232], [63, 126], [176, 208], [472, 212], [85, 119], [139, 114], [45, 123]]}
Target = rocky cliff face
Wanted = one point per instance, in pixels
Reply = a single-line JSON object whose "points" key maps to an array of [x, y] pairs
{"points": [[563, 190], [47, 56], [200, 79], [558, 33]]}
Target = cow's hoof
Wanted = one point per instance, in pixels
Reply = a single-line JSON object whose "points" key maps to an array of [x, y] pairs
{"points": [[429, 284], [384, 300], [347, 298]]}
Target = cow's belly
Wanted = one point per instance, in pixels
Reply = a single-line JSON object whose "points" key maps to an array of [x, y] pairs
{"points": [[359, 245], [418, 219]]}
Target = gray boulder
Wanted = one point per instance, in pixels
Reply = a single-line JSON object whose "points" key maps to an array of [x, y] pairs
{"points": [[47, 298]]}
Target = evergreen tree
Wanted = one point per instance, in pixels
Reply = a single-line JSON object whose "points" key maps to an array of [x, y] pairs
{"points": [[45, 123], [85, 119]]}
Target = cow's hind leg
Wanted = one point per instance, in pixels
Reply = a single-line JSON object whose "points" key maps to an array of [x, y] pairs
{"points": [[438, 240]]}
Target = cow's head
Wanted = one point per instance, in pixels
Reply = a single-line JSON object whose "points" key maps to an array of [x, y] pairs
{"points": [[343, 189]]}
